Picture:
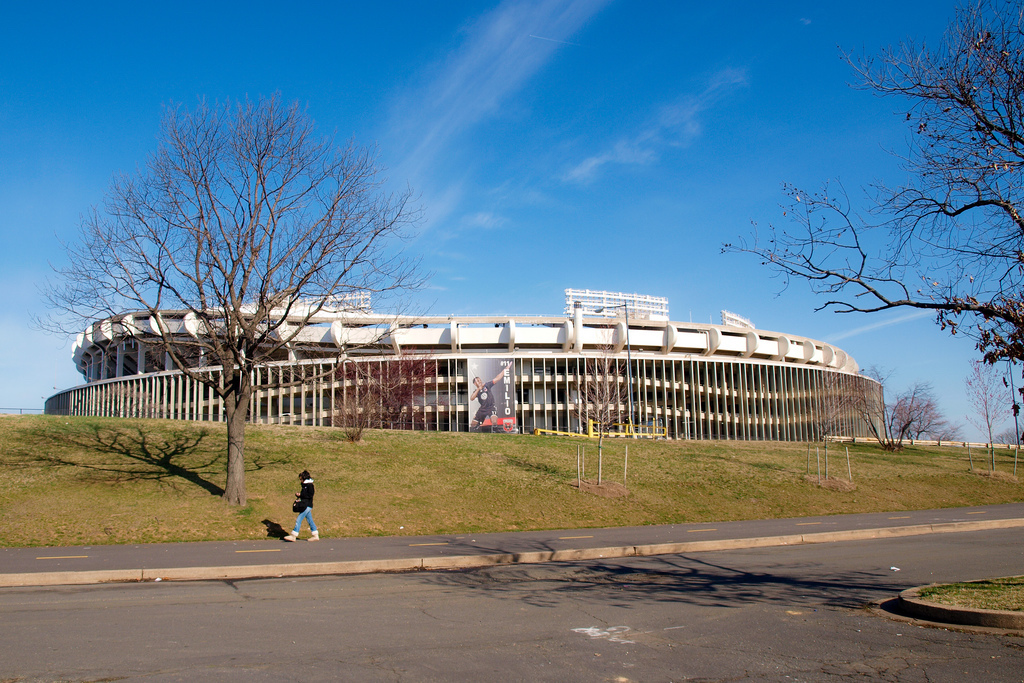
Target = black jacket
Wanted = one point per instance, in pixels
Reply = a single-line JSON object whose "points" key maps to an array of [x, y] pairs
{"points": [[307, 492]]}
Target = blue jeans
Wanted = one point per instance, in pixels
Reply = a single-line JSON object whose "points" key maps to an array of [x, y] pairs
{"points": [[306, 514]]}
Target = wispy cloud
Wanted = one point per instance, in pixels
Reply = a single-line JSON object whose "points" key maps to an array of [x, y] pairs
{"points": [[563, 42], [674, 125], [484, 220], [879, 325], [500, 54]]}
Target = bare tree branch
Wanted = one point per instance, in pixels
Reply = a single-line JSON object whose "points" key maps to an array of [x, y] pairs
{"points": [[248, 223], [951, 240]]}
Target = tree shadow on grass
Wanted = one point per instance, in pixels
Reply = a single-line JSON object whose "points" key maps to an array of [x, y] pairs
{"points": [[167, 457]]}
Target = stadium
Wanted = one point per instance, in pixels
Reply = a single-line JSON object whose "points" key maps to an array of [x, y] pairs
{"points": [[514, 374]]}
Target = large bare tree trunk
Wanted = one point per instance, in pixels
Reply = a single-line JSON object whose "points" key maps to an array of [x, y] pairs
{"points": [[236, 405]]}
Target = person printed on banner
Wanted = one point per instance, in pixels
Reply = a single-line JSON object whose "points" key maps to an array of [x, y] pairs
{"points": [[485, 414]]}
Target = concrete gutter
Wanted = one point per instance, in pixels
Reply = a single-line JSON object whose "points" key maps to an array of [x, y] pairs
{"points": [[239, 572]]}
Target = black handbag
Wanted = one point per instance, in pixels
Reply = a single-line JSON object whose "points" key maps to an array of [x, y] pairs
{"points": [[299, 505]]}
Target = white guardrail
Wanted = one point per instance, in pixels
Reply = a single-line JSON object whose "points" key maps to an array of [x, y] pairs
{"points": [[927, 442]]}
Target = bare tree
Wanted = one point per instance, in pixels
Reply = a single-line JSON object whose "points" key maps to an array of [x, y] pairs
{"points": [[988, 395], [251, 224], [930, 421], [950, 431], [382, 394], [603, 391], [893, 420], [1007, 436], [952, 239], [837, 399], [356, 409]]}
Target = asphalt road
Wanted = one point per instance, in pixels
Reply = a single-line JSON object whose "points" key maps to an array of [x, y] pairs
{"points": [[271, 557], [768, 614]]}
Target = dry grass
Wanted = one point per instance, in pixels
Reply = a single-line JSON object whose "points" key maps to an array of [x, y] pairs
{"points": [[604, 489], [90, 480], [1001, 594]]}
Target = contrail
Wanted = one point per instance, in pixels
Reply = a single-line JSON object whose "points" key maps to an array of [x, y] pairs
{"points": [[563, 42], [878, 325]]}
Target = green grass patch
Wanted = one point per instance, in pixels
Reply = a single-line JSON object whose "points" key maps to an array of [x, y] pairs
{"points": [[1001, 594], [66, 481]]}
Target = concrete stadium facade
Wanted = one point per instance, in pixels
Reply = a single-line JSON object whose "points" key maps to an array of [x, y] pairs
{"points": [[692, 381]]}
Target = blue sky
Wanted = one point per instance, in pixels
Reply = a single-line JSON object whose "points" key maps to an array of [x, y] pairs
{"points": [[602, 145]]}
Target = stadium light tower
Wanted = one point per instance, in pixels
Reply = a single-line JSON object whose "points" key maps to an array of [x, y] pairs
{"points": [[629, 362]]}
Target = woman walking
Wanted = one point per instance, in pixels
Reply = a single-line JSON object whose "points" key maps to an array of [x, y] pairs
{"points": [[304, 506]]}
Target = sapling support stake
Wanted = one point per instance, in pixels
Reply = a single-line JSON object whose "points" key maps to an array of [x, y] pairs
{"points": [[849, 471], [579, 478], [817, 455]]}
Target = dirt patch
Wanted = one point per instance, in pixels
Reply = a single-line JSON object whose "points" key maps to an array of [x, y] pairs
{"points": [[606, 489], [844, 485]]}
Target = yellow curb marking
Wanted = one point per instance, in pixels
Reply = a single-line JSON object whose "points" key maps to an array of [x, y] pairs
{"points": [[807, 523], [907, 517], [695, 531], [274, 550], [977, 513], [416, 545], [63, 557], [569, 538]]}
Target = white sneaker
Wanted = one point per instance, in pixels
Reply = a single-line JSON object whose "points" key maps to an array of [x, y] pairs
{"points": [[316, 536], [292, 536]]}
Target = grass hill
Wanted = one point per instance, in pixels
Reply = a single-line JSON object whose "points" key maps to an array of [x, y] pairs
{"points": [[70, 481]]}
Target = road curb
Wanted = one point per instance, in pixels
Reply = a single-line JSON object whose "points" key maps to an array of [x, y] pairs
{"points": [[240, 572], [912, 605]]}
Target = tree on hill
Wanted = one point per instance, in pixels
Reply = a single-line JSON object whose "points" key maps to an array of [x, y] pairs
{"points": [[897, 417], [1007, 436], [990, 398], [384, 394], [950, 240], [250, 223], [603, 393], [836, 399]]}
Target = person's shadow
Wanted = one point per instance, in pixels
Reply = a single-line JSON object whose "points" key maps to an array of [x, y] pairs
{"points": [[274, 530]]}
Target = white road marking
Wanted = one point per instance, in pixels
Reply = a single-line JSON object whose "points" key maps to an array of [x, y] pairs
{"points": [[612, 633]]}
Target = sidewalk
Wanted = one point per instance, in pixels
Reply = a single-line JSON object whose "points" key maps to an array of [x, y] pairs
{"points": [[235, 560]]}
